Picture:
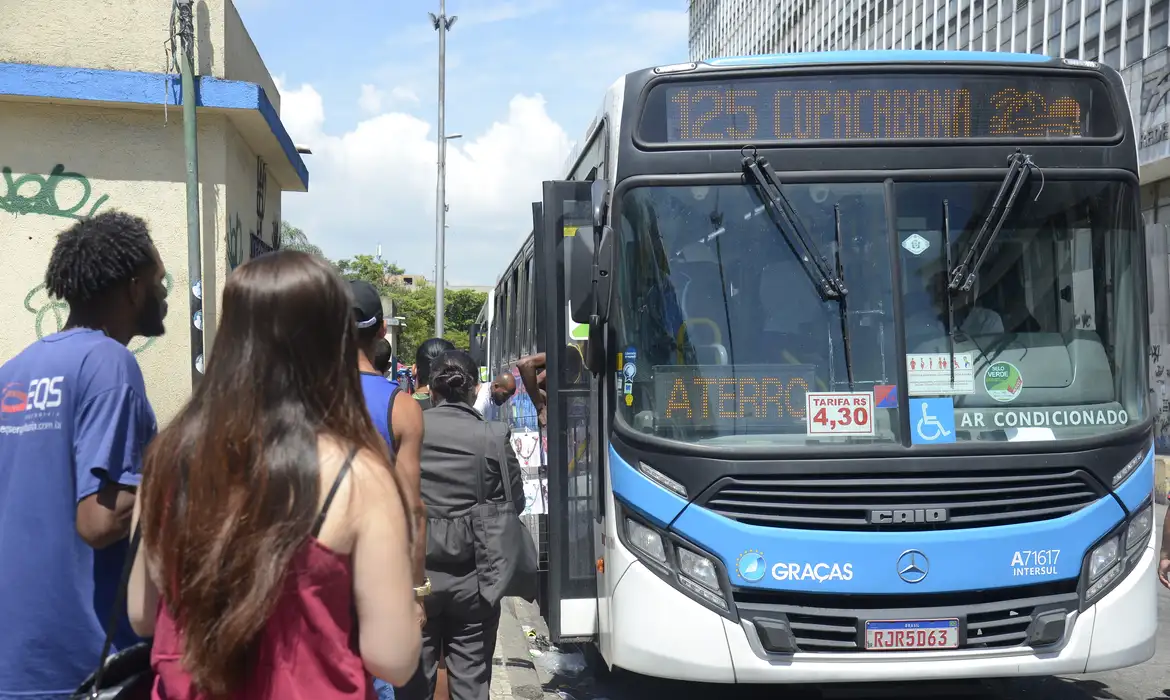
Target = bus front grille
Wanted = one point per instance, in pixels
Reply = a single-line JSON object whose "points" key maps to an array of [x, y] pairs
{"points": [[868, 501], [988, 619]]}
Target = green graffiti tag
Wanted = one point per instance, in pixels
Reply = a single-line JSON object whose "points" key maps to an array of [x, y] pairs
{"points": [[235, 243], [51, 314], [36, 194]]}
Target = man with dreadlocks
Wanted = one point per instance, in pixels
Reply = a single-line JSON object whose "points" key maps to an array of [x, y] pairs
{"points": [[74, 421]]}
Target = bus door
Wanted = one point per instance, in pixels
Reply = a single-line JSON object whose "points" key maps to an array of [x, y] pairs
{"points": [[570, 605]]}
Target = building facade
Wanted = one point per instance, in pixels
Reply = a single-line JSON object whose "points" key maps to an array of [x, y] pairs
{"points": [[91, 121], [1116, 32]]}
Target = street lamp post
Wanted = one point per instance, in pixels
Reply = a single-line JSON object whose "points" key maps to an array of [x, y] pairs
{"points": [[442, 24]]}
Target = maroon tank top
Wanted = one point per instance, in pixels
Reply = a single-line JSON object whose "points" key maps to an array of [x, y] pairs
{"points": [[307, 651]]}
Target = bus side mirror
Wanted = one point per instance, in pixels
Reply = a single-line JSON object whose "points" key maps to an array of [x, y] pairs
{"points": [[589, 264], [477, 348]]}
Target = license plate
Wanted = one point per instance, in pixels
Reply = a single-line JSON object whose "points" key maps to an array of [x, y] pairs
{"points": [[911, 635]]}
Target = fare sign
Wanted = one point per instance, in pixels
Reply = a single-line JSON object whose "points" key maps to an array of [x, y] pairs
{"points": [[840, 413]]}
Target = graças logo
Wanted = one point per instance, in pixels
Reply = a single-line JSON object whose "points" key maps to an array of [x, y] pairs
{"points": [[751, 566]]}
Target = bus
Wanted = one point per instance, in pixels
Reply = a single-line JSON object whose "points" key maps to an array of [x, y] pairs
{"points": [[836, 349], [478, 335]]}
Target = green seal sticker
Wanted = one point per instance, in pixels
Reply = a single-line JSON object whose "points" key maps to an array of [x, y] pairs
{"points": [[1003, 382]]}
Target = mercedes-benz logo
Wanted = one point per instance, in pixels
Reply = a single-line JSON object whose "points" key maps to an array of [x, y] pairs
{"points": [[913, 566]]}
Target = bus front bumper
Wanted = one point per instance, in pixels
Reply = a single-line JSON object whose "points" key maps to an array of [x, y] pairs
{"points": [[660, 632]]}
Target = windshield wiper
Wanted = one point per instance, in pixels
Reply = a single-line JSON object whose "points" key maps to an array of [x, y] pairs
{"points": [[950, 301], [963, 275], [841, 305], [828, 285]]}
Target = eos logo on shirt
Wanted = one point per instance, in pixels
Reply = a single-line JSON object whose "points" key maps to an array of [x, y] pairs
{"points": [[44, 393]]}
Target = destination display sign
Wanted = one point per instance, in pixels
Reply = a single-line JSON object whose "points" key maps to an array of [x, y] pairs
{"points": [[768, 396], [869, 106]]}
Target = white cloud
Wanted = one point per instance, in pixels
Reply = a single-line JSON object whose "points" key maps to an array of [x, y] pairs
{"points": [[376, 183], [402, 94], [373, 100]]}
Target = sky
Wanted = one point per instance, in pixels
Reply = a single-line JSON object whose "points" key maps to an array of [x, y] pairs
{"points": [[359, 85]]}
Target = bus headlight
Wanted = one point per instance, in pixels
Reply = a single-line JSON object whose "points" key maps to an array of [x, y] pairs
{"points": [[1139, 529], [679, 562], [1109, 561], [1129, 468], [698, 568], [1103, 556], [646, 540]]}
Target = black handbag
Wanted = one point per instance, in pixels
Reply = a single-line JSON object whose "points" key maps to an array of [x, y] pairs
{"points": [[125, 675], [505, 555]]}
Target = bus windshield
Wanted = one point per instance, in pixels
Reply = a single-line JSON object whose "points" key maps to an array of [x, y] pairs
{"points": [[725, 333]]}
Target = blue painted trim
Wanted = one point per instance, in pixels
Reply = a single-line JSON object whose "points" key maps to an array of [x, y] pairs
{"points": [[660, 506], [867, 562], [286, 143], [1137, 488], [822, 57], [133, 87]]}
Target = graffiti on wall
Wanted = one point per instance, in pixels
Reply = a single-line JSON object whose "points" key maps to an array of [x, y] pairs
{"points": [[1160, 395], [51, 314], [261, 191], [235, 238], [60, 193], [235, 243]]}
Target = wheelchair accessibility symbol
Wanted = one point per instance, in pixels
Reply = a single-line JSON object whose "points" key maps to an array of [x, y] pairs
{"points": [[932, 421]]}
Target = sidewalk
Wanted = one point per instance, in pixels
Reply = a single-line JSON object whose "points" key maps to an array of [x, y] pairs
{"points": [[515, 672]]}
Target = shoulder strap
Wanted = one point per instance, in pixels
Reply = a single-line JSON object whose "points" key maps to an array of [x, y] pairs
{"points": [[502, 455], [333, 491], [119, 605], [492, 447], [390, 416]]}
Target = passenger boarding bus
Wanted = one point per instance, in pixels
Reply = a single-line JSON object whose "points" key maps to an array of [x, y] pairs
{"points": [[862, 389]]}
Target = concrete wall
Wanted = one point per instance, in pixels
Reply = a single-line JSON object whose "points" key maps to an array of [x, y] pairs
{"points": [[128, 35], [61, 163], [89, 123]]}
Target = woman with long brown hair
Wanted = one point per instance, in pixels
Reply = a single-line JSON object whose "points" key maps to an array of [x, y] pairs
{"points": [[275, 546]]}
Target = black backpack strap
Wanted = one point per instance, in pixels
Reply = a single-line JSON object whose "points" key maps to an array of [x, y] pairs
{"points": [[119, 607], [390, 418]]}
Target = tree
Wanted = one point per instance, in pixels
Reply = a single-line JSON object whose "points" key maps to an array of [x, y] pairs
{"points": [[417, 306], [370, 269], [462, 306], [293, 238]]}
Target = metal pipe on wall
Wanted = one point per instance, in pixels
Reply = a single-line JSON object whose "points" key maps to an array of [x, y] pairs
{"points": [[191, 146]]}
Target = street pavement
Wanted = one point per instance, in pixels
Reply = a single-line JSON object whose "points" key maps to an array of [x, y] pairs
{"points": [[522, 671]]}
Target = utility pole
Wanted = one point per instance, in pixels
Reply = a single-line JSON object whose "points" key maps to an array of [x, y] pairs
{"points": [[442, 24], [191, 145]]}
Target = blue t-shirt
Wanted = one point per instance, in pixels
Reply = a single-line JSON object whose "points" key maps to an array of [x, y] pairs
{"points": [[73, 412], [377, 391]]}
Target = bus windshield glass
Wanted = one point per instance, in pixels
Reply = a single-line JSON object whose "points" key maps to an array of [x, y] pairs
{"points": [[727, 338]]}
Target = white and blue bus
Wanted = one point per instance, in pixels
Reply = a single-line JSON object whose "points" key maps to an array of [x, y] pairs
{"points": [[864, 394]]}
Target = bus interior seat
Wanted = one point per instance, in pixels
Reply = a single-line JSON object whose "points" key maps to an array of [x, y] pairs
{"points": [[702, 298], [790, 313]]}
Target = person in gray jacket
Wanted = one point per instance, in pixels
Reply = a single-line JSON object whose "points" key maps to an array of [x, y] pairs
{"points": [[459, 449]]}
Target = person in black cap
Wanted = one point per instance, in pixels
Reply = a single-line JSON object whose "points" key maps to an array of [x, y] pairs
{"points": [[397, 417]]}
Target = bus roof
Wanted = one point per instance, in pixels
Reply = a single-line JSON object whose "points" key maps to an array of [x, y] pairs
{"points": [[823, 57]]}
